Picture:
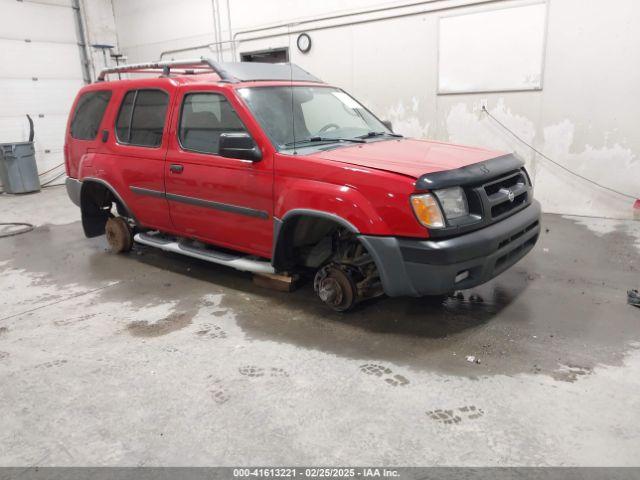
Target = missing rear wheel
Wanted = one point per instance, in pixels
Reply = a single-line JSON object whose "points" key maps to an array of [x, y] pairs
{"points": [[119, 235]]}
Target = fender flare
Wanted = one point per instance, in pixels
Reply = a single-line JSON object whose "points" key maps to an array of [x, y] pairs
{"points": [[297, 212], [114, 192], [279, 223]]}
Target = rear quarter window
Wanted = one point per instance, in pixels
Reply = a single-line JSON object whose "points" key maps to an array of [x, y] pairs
{"points": [[142, 117], [88, 114]]}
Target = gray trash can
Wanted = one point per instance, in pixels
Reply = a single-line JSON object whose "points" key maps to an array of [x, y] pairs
{"points": [[18, 170]]}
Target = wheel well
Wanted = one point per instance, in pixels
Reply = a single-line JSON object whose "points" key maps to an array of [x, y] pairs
{"points": [[96, 202], [297, 237], [327, 247]]}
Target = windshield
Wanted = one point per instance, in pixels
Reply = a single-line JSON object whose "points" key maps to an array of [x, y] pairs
{"points": [[320, 115]]}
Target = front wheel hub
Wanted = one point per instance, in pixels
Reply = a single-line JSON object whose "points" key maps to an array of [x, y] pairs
{"points": [[330, 291], [335, 288]]}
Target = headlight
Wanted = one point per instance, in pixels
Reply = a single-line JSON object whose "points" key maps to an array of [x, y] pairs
{"points": [[453, 201], [427, 210]]}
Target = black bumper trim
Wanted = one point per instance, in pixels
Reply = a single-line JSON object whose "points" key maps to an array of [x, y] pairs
{"points": [[430, 267]]}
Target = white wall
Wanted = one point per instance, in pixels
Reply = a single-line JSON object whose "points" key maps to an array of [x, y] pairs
{"points": [[584, 116], [99, 28]]}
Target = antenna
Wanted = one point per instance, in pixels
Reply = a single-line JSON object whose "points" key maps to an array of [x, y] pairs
{"points": [[293, 118]]}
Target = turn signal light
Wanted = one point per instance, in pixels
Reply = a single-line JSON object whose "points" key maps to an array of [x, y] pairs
{"points": [[427, 210]]}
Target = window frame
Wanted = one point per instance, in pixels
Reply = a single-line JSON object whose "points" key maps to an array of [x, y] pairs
{"points": [[179, 125], [75, 114], [133, 108]]}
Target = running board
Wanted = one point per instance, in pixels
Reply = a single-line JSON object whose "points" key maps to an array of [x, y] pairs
{"points": [[245, 264]]}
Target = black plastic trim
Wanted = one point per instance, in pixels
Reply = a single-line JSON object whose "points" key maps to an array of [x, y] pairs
{"points": [[391, 267], [482, 206], [471, 174], [296, 212], [480, 243], [225, 207], [115, 193], [279, 248], [198, 202], [430, 267], [147, 191]]}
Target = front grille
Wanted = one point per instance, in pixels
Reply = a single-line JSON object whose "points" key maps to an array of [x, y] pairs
{"points": [[509, 180], [505, 194], [490, 201], [507, 206]]}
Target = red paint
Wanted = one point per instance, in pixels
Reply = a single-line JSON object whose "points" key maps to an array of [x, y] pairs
{"points": [[366, 184], [409, 157]]}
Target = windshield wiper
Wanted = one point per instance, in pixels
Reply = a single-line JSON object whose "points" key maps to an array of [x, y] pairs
{"points": [[379, 134], [324, 139]]}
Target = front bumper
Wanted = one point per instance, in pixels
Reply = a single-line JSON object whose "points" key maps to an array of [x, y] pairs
{"points": [[73, 189], [433, 267]]}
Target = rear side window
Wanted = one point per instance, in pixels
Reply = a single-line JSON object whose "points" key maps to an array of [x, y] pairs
{"points": [[141, 118], [204, 117], [88, 114]]}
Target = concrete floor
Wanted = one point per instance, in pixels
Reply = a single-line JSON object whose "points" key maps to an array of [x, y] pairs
{"points": [[157, 359]]}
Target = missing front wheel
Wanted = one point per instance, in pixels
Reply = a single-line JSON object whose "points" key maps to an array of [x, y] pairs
{"points": [[336, 288]]}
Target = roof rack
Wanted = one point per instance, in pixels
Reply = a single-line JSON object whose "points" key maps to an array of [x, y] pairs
{"points": [[187, 66], [232, 72]]}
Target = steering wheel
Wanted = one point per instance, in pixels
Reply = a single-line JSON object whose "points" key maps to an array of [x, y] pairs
{"points": [[329, 126]]}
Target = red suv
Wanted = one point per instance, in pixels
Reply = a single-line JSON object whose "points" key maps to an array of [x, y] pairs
{"points": [[265, 168]]}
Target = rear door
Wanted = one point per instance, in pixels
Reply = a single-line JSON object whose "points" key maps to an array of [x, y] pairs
{"points": [[224, 201], [135, 146]]}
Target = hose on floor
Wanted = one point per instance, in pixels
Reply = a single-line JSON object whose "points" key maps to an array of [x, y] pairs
{"points": [[26, 227]]}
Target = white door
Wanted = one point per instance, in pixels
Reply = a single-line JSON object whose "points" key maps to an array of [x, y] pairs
{"points": [[40, 73]]}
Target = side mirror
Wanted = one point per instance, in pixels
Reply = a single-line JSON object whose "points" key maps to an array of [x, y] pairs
{"points": [[388, 124], [239, 145]]}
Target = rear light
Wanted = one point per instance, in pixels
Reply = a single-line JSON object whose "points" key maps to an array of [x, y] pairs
{"points": [[427, 210]]}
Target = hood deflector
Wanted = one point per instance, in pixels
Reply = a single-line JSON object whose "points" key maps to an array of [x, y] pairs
{"points": [[469, 174]]}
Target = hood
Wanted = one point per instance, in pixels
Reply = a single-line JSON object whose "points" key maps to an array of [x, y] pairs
{"points": [[408, 156]]}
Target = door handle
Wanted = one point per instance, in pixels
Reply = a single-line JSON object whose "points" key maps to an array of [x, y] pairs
{"points": [[175, 168]]}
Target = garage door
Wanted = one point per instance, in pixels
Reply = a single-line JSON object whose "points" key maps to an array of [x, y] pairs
{"points": [[40, 73]]}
